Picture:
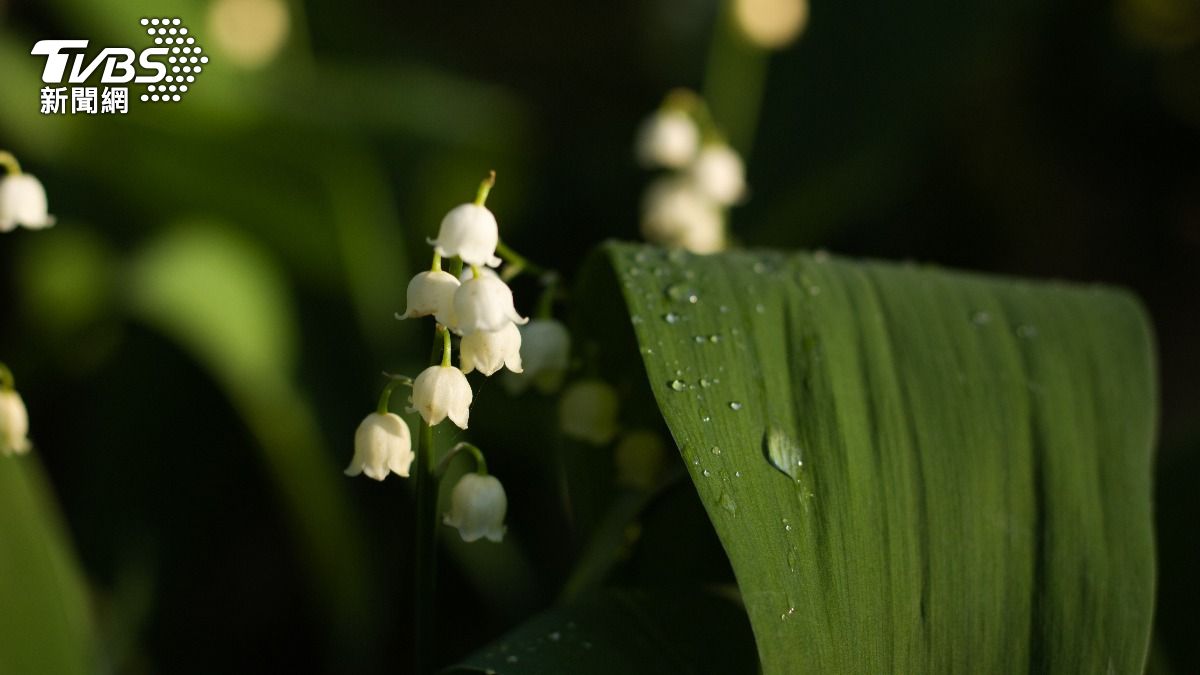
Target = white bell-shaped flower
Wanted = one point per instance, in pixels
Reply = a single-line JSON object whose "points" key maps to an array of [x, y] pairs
{"points": [[668, 138], [477, 508], [720, 173], [640, 457], [381, 444], [470, 232], [676, 214], [431, 293], [14, 424], [484, 303], [489, 351], [588, 411], [545, 356], [23, 202], [440, 392]]}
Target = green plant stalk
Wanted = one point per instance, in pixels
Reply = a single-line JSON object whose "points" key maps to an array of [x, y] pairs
{"points": [[734, 79]]}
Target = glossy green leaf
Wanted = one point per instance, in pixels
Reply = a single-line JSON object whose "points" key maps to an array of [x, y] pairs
{"points": [[45, 625], [912, 470]]}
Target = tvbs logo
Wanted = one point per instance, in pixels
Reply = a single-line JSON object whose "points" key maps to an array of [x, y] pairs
{"points": [[168, 69]]}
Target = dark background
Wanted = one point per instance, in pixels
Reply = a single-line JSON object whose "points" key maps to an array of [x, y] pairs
{"points": [[1045, 139]]}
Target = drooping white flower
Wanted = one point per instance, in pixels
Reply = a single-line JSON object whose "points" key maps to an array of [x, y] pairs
{"points": [[382, 443], [640, 457], [545, 356], [675, 213], [667, 138], [470, 232], [588, 411], [489, 351], [14, 424], [440, 392], [431, 293], [477, 508], [720, 173], [23, 202], [770, 24], [484, 303]]}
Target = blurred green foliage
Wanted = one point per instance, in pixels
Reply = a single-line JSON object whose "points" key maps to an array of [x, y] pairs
{"points": [[199, 335]]}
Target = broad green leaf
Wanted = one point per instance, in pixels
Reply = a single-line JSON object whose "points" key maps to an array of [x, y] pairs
{"points": [[45, 624], [912, 470], [627, 632]]}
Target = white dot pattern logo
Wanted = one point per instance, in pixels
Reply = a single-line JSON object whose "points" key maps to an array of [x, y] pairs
{"points": [[185, 55]]}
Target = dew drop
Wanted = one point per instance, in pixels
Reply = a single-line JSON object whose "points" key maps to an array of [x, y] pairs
{"points": [[678, 385], [790, 611], [682, 293], [705, 418], [737, 474], [706, 473], [672, 318], [784, 452], [716, 450], [727, 502], [705, 382], [714, 338], [793, 558], [735, 405]]}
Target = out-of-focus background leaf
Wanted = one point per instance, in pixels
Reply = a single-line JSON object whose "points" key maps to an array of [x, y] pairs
{"points": [[316, 153]]}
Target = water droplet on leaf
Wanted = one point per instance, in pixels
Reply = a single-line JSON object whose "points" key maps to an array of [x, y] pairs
{"points": [[784, 452]]}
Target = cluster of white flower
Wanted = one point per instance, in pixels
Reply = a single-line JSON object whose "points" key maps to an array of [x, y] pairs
{"points": [[687, 207], [477, 306]]}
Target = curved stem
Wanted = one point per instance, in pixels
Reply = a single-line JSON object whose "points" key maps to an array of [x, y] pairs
{"points": [[386, 396], [484, 188], [10, 163], [480, 461], [518, 262]]}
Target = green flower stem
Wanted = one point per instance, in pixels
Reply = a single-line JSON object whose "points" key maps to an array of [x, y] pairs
{"points": [[734, 81], [6, 378], [425, 565], [484, 188], [10, 163], [480, 461], [386, 396], [446, 362], [518, 263], [437, 263]]}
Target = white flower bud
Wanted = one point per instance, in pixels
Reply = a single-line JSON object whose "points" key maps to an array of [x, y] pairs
{"points": [[667, 138], [431, 293], [588, 411], [440, 392], [381, 444], [23, 202], [545, 356], [470, 232], [640, 457], [676, 214], [719, 173], [771, 24], [489, 351], [484, 304], [14, 424], [477, 508]]}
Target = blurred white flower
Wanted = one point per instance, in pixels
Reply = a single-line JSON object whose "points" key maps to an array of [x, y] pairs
{"points": [[431, 293], [720, 173], [667, 138], [489, 351], [676, 214], [771, 24], [470, 232], [477, 508], [440, 392], [640, 457], [14, 424], [486, 304], [23, 202], [588, 411], [545, 356], [382, 443], [250, 33]]}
